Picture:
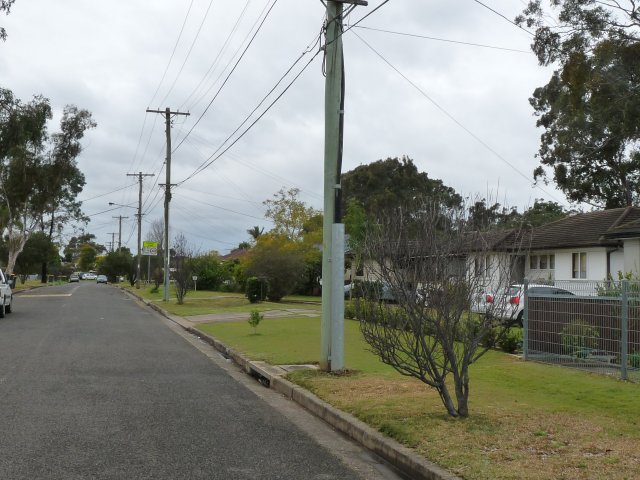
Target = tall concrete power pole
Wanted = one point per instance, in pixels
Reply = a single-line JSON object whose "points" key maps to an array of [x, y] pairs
{"points": [[332, 325], [140, 175], [167, 195]]}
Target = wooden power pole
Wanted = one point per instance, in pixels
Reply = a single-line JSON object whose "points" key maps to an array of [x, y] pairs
{"points": [[167, 195], [140, 175]]}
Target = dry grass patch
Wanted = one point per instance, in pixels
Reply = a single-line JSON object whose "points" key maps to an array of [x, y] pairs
{"points": [[494, 442]]}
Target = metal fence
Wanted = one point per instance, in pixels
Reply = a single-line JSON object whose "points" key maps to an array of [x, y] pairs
{"points": [[592, 326]]}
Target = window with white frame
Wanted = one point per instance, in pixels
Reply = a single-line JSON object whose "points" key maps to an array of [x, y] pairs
{"points": [[533, 262], [579, 265]]}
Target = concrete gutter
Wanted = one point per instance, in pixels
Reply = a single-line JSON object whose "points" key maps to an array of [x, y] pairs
{"points": [[401, 457]]}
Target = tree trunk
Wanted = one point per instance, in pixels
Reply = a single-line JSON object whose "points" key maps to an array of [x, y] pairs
{"points": [[45, 272]]}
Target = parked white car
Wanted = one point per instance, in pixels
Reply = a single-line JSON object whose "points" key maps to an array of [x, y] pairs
{"points": [[509, 304], [6, 295]]}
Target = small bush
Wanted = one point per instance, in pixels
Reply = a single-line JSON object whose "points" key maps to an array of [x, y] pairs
{"points": [[634, 360], [255, 317], [257, 289], [350, 312], [578, 337], [511, 342]]}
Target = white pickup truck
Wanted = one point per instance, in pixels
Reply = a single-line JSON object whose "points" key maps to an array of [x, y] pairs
{"points": [[6, 296]]}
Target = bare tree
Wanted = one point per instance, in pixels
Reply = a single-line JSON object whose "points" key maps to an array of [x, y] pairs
{"points": [[183, 256], [435, 267]]}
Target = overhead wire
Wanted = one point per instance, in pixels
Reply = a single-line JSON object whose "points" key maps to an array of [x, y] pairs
{"points": [[186, 58], [213, 158], [444, 40], [503, 17], [214, 63], [262, 101], [228, 76], [455, 120]]}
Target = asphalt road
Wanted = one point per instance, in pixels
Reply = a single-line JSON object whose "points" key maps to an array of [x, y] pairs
{"points": [[93, 386]]}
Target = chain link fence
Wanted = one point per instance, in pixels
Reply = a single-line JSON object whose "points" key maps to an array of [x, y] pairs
{"points": [[592, 326]]}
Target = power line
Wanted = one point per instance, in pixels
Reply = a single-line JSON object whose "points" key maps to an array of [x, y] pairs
{"points": [[445, 40], [164, 74], [455, 120], [228, 76], [108, 193], [215, 60], [503, 16], [186, 58], [268, 94], [212, 159]]}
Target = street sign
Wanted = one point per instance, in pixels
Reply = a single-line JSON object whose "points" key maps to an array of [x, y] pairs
{"points": [[150, 248]]}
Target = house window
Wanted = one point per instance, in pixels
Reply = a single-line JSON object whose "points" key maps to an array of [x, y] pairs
{"points": [[482, 266], [543, 262], [552, 262], [533, 262], [579, 262]]}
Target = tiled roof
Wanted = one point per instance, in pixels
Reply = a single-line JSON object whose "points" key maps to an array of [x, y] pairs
{"points": [[598, 228], [235, 254]]}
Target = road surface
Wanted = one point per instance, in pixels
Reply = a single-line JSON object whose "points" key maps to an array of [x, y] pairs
{"points": [[94, 385]]}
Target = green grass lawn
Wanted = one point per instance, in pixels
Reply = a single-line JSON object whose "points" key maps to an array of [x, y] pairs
{"points": [[527, 420], [205, 302]]}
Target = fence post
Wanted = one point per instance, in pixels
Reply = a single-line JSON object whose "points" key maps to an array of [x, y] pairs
{"points": [[525, 322], [624, 330]]}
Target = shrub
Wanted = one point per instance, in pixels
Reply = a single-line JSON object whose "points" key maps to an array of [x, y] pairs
{"points": [[634, 360], [257, 289], [255, 317], [350, 312], [578, 337], [511, 341]]}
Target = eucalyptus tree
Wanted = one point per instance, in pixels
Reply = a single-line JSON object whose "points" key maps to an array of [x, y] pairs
{"points": [[39, 175], [590, 108]]}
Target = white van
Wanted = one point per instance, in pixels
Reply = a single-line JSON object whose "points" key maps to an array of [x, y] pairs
{"points": [[6, 296]]}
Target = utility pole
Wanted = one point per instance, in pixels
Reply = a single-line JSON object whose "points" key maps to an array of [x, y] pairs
{"points": [[332, 324], [120, 217], [167, 195], [140, 175], [113, 240]]}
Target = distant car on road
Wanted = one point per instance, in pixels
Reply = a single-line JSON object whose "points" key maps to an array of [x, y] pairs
{"points": [[74, 277], [90, 276], [101, 279]]}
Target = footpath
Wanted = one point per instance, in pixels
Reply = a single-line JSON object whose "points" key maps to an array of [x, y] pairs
{"points": [[273, 376]]}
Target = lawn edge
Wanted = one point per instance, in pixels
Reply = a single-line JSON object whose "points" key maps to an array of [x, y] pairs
{"points": [[401, 457]]}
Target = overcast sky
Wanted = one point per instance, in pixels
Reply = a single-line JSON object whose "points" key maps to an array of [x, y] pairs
{"points": [[460, 111]]}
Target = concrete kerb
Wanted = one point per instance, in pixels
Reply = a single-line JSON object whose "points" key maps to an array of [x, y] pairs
{"points": [[404, 459]]}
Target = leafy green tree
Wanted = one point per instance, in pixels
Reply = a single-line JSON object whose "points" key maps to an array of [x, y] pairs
{"points": [[288, 213], [589, 109], [116, 264], [39, 177], [87, 259], [392, 183], [38, 249], [280, 261], [211, 273]]}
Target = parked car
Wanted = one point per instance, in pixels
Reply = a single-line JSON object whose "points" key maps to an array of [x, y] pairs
{"points": [[510, 303], [6, 295], [101, 279], [74, 277], [90, 276]]}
